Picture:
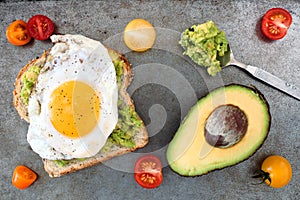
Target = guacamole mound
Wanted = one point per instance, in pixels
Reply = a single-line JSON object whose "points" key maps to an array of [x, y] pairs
{"points": [[204, 43]]}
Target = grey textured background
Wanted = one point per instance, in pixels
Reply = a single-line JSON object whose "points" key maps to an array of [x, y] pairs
{"points": [[163, 101]]}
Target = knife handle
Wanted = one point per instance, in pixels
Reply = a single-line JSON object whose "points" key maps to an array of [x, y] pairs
{"points": [[274, 81]]}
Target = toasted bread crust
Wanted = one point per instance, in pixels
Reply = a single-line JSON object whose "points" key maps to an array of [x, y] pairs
{"points": [[51, 167], [17, 101]]}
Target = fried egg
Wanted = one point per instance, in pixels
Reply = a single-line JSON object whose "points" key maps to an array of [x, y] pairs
{"points": [[73, 108]]}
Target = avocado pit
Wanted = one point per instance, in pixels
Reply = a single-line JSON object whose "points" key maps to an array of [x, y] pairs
{"points": [[225, 126]]}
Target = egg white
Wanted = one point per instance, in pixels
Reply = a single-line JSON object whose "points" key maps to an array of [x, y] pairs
{"points": [[73, 57]]}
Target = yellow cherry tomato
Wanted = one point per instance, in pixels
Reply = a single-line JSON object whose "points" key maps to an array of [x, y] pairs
{"points": [[276, 171], [23, 177], [17, 33], [139, 35]]}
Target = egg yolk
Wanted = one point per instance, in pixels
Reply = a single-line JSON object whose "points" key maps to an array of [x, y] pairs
{"points": [[74, 109]]}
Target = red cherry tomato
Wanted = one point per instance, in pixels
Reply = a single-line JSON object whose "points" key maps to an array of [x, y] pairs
{"points": [[23, 177], [40, 27], [148, 171], [276, 23], [17, 34]]}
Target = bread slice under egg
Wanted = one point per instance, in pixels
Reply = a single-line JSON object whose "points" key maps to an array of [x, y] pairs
{"points": [[52, 167], [17, 101]]}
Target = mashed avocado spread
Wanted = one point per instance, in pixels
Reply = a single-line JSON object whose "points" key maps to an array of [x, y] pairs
{"points": [[28, 80], [128, 121], [204, 43]]}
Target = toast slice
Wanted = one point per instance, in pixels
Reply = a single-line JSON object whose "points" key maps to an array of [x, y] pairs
{"points": [[20, 106], [140, 137]]}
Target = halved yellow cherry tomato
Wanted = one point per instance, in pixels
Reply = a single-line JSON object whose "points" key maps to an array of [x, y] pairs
{"points": [[23, 177], [139, 35], [17, 33], [276, 171]]}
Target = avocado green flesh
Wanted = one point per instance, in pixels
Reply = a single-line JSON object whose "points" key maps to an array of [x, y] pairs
{"points": [[189, 154], [205, 44]]}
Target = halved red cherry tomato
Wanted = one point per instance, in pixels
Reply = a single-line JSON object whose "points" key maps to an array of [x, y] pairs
{"points": [[276, 23], [40, 27], [17, 34], [148, 171], [23, 177]]}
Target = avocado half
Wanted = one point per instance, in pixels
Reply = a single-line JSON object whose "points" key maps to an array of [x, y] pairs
{"points": [[189, 153]]}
